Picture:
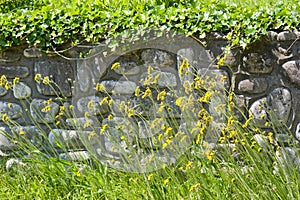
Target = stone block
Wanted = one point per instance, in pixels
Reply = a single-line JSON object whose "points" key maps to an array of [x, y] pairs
{"points": [[14, 71], [59, 72], [43, 112]]}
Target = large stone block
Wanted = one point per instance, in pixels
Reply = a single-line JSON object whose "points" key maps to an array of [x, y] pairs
{"points": [[14, 71], [59, 72], [13, 110], [292, 70], [42, 111]]}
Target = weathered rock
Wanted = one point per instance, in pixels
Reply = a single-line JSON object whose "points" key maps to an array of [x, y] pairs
{"points": [[276, 107], [257, 63], [283, 138], [5, 142], [21, 90], [13, 110], [14, 163], [128, 68], [84, 79], [119, 87], [59, 72], [10, 55], [279, 103], [75, 156], [187, 73], [61, 138], [258, 110], [272, 35], [14, 71], [253, 86], [91, 105], [3, 91], [80, 122], [262, 142], [214, 79], [292, 69], [157, 58], [42, 111], [32, 52], [164, 80], [286, 35], [29, 134]]}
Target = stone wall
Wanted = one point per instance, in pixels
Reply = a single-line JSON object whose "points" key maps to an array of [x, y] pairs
{"points": [[38, 89]]}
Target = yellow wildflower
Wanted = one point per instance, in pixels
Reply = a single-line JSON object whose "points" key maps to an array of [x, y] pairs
{"points": [[91, 104], [78, 173], [87, 124], [46, 108], [160, 136], [161, 96], [184, 65], [169, 129], [7, 85], [4, 117], [166, 181], [206, 97], [21, 132], [115, 66], [137, 91], [194, 187], [16, 80], [103, 101], [147, 93], [3, 80], [91, 135], [150, 176], [180, 101], [104, 127], [188, 165], [100, 87], [46, 80], [9, 105]]}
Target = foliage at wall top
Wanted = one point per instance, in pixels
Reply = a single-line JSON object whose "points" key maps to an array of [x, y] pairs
{"points": [[50, 23]]}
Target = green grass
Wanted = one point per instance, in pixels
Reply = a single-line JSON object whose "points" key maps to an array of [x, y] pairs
{"points": [[203, 179]]}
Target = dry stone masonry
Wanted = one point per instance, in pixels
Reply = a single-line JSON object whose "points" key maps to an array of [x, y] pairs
{"points": [[36, 93]]}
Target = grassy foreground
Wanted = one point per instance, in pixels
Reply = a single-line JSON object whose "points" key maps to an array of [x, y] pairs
{"points": [[192, 178]]}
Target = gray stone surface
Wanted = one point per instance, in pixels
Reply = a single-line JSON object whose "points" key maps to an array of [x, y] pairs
{"points": [[84, 78], [128, 68], [32, 52], [29, 134], [253, 86], [75, 156], [214, 79], [43, 112], [157, 58], [6, 142], [91, 105], [119, 87], [14, 71], [80, 122], [13, 110], [61, 138], [257, 63], [292, 70], [59, 72], [279, 103], [286, 35], [3, 91], [21, 90], [276, 107], [164, 80], [259, 112]]}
